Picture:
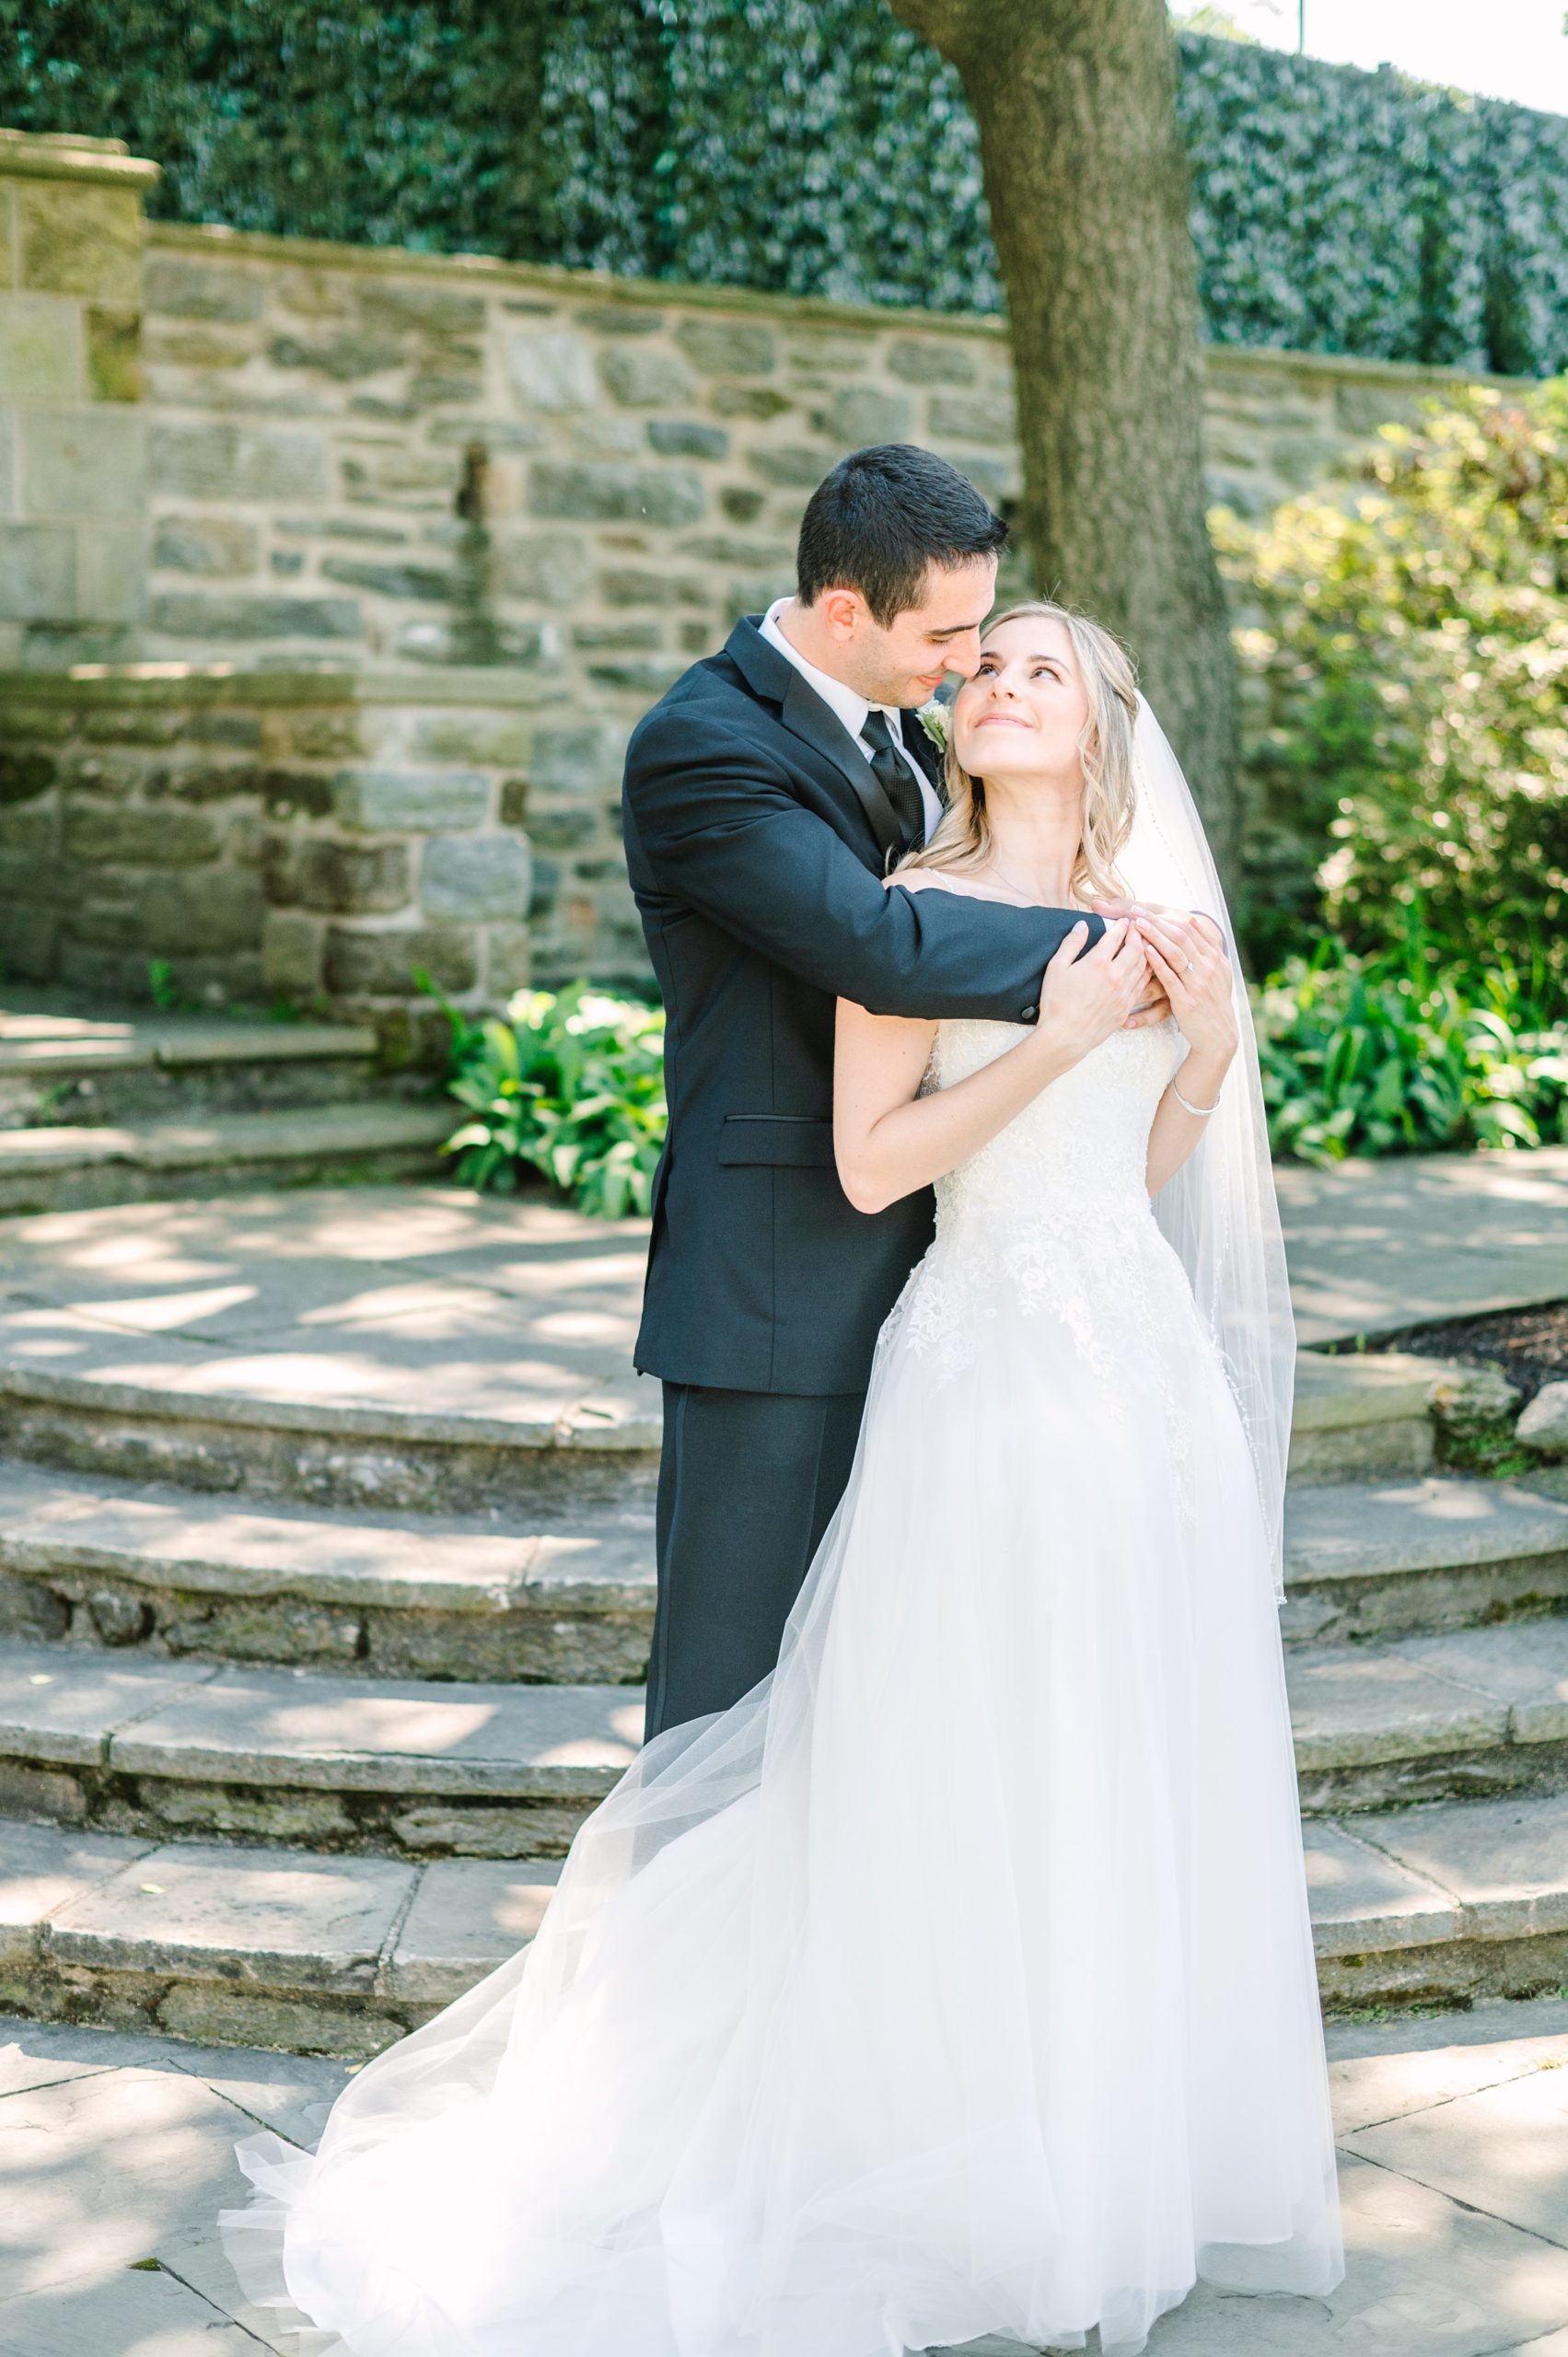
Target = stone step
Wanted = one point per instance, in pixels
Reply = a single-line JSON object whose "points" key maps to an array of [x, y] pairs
{"points": [[58, 1066], [281, 1948], [185, 1748], [1378, 1559], [67, 1167], [392, 1347], [1449, 1716], [466, 1410], [276, 1947], [1356, 1416], [570, 1599], [400, 1768], [420, 1347], [412, 1596]]}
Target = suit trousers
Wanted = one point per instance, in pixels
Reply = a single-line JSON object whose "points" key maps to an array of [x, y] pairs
{"points": [[747, 1483]]}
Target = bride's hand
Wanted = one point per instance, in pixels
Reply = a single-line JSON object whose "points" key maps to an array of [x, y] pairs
{"points": [[1186, 956], [1084, 998]]}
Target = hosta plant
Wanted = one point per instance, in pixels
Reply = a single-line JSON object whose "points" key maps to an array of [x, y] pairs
{"points": [[569, 1084]]}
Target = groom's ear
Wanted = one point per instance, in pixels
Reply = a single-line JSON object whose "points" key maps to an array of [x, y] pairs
{"points": [[842, 609]]}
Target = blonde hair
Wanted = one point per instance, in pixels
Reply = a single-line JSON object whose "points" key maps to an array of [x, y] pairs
{"points": [[963, 839]]}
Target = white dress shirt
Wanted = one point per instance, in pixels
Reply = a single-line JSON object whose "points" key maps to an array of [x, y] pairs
{"points": [[852, 709]]}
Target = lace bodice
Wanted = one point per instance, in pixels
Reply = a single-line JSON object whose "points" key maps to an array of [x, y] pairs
{"points": [[1053, 1217], [1086, 1136]]}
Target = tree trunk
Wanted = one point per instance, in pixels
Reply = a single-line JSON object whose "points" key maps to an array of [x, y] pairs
{"points": [[1087, 182]]}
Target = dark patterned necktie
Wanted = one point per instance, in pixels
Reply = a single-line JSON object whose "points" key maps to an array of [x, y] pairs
{"points": [[896, 778]]}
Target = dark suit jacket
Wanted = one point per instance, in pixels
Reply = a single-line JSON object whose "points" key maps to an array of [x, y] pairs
{"points": [[755, 839]]}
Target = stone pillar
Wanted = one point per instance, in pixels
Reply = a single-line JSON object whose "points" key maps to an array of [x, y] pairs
{"points": [[72, 480]]}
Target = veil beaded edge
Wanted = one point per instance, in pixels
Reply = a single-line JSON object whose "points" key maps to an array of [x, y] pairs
{"points": [[1219, 1212]]}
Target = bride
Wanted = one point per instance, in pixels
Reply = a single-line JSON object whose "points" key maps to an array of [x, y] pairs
{"points": [[957, 1980]]}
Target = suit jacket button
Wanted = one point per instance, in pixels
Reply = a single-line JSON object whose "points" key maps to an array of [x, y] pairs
{"points": [[1028, 1014]]}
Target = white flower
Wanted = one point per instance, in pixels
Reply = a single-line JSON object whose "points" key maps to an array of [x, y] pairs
{"points": [[936, 721]]}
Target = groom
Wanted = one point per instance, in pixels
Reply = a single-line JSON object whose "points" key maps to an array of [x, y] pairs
{"points": [[765, 797]]}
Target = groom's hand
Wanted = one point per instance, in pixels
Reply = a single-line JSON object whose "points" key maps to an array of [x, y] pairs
{"points": [[1153, 1005], [1152, 1009], [1156, 1006]]}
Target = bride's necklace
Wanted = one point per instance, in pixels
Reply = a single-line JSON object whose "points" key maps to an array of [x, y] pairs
{"points": [[1024, 891]]}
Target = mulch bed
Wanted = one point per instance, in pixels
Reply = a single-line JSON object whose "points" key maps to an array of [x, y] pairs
{"points": [[1530, 1345]]}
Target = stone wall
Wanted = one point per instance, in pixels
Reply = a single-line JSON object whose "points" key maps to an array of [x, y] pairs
{"points": [[519, 498], [316, 838], [380, 456], [72, 545]]}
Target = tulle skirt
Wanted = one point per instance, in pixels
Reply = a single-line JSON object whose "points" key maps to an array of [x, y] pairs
{"points": [[958, 1980]]}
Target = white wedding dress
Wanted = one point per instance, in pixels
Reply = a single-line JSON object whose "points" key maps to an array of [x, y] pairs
{"points": [[958, 1980]]}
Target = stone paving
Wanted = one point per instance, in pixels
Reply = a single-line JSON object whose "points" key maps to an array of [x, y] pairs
{"points": [[426, 1301], [1377, 1247], [432, 1303], [423, 1311], [116, 2153]]}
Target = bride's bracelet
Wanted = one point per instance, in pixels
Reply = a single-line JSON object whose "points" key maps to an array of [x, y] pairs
{"points": [[1199, 1112]]}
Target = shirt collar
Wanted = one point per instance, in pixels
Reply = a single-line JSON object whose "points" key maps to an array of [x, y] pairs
{"points": [[840, 699]]}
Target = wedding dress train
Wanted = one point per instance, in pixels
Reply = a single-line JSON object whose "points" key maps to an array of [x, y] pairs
{"points": [[958, 1980]]}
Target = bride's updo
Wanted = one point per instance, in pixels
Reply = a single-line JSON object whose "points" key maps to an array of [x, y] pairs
{"points": [[962, 840]]}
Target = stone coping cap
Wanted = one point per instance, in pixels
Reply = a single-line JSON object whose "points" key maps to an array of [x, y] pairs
{"points": [[218, 683], [584, 1422], [71, 155], [219, 243]]}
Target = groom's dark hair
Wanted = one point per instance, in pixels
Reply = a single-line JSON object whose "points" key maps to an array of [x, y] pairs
{"points": [[882, 518]]}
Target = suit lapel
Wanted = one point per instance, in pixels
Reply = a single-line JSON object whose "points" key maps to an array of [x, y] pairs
{"points": [[805, 715]]}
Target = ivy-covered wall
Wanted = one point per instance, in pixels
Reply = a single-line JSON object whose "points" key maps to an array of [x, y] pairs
{"points": [[807, 146]]}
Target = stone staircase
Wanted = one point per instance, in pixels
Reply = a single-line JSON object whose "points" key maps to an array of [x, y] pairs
{"points": [[312, 1656], [136, 1107]]}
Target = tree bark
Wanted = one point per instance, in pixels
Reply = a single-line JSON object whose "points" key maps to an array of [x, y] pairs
{"points": [[1086, 178]]}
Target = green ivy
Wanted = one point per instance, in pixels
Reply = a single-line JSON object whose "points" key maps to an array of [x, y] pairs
{"points": [[809, 146], [416, 125]]}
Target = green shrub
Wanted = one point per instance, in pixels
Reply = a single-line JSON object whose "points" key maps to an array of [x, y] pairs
{"points": [[1408, 646], [1391, 1055], [1359, 1056], [568, 1084]]}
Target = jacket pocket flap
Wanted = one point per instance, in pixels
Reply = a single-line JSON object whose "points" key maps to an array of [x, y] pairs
{"points": [[788, 1140]]}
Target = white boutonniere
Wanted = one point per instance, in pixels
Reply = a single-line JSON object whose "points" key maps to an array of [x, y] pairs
{"points": [[936, 721]]}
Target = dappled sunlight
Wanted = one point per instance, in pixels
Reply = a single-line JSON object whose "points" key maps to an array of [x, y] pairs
{"points": [[166, 1313], [1503, 2150], [307, 1540], [1394, 2072], [404, 1302], [519, 1910], [1327, 1872], [444, 1307], [30, 1034], [587, 1326], [402, 1376], [1344, 1668], [57, 1347], [1438, 1503], [74, 2211], [375, 1722], [1378, 1246], [265, 1894], [571, 1271], [109, 1255], [1426, 2275], [469, 1723], [587, 1751]]}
